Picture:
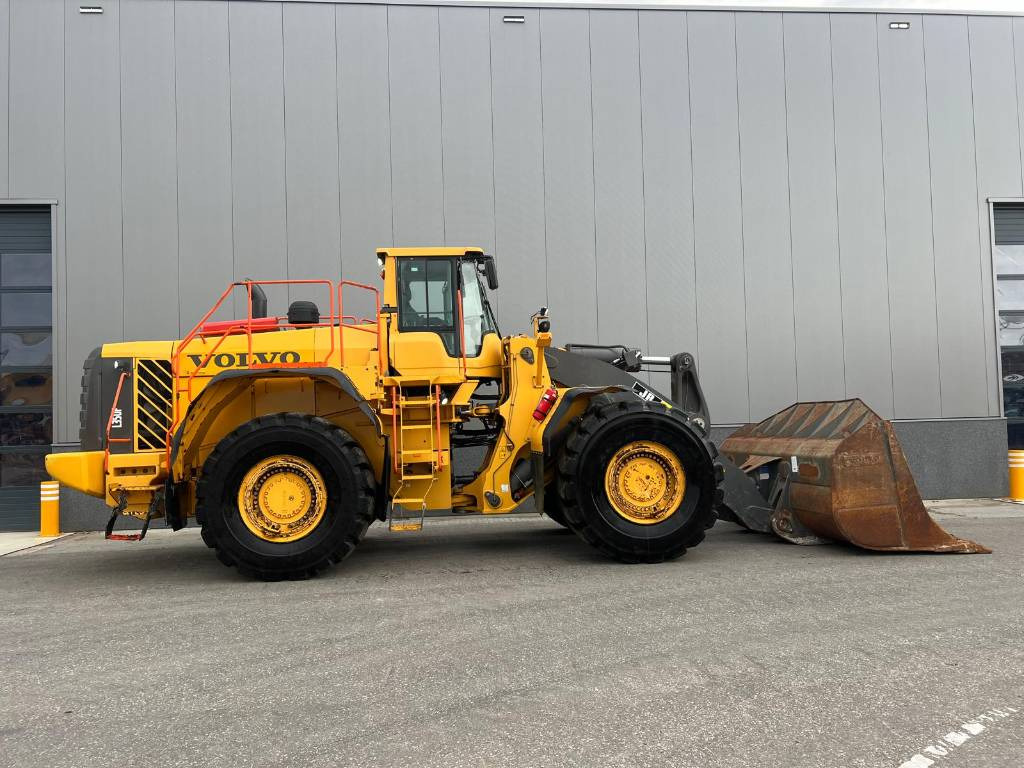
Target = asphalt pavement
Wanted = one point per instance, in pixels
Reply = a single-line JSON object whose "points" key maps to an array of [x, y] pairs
{"points": [[508, 642]]}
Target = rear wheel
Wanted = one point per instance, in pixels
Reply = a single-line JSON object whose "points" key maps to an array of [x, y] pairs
{"points": [[637, 481], [284, 496]]}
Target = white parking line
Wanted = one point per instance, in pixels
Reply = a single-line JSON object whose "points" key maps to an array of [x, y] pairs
{"points": [[943, 747]]}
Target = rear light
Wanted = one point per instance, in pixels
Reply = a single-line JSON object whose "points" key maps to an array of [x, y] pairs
{"points": [[546, 401]]}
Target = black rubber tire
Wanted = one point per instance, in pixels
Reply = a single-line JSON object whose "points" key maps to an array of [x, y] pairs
{"points": [[553, 505], [610, 422], [347, 475]]}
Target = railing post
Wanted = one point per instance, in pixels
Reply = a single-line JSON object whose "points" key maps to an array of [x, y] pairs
{"points": [[49, 508]]}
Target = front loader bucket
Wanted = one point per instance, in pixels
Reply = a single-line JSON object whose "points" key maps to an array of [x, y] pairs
{"points": [[840, 474]]}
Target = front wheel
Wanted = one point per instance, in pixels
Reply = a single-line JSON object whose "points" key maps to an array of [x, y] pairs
{"points": [[637, 481], [284, 496]]}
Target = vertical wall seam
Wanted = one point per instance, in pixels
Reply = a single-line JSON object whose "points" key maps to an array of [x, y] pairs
{"points": [[284, 149], [931, 211], [593, 172], [490, 73], [337, 132], [1016, 85], [10, 63], [835, 168], [743, 235], [440, 117], [391, 159], [643, 186], [789, 208], [120, 160], [885, 214], [177, 157], [231, 153], [543, 161], [984, 243], [693, 205], [543, 144], [64, 121]]}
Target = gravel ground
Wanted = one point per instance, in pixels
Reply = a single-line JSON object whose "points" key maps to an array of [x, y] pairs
{"points": [[507, 642]]}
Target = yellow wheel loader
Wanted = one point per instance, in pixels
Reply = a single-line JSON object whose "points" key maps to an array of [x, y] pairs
{"points": [[286, 436]]}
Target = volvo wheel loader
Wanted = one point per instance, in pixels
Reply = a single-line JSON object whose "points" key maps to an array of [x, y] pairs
{"points": [[286, 436]]}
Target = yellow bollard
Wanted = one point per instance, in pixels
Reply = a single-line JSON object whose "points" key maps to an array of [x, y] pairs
{"points": [[49, 508], [1017, 475]]}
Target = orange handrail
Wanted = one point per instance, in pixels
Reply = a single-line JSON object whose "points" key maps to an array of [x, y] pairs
{"points": [[342, 325], [110, 423], [246, 326]]}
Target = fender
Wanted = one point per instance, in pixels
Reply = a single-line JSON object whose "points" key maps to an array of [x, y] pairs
{"points": [[334, 375]]}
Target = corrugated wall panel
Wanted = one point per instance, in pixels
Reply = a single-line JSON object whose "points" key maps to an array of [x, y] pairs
{"points": [[258, 148], [718, 215], [467, 156], [1018, 56], [668, 194], [415, 88], [618, 178], [5, 81], [35, 117], [311, 154], [95, 261], [569, 172], [149, 169], [365, 140], [915, 360], [817, 284], [36, 90], [861, 214], [997, 148], [958, 281], [203, 97], [501, 153], [771, 348], [519, 171]]}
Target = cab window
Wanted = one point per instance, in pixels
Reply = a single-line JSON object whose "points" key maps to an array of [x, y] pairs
{"points": [[427, 298], [476, 316]]}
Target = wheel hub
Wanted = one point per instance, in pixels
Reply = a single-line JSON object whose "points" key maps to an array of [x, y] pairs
{"points": [[282, 498], [645, 482]]}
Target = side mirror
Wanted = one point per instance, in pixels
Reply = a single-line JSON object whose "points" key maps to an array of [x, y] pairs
{"points": [[491, 273]]}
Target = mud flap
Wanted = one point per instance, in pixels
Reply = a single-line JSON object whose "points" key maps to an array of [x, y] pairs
{"points": [[830, 470]]}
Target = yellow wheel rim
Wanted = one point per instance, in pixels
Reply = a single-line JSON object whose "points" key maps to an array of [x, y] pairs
{"points": [[282, 498], [645, 482]]}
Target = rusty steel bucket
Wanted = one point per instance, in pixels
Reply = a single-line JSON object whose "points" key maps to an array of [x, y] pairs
{"points": [[835, 470]]}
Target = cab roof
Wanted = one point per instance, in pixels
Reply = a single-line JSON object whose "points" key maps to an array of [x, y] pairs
{"points": [[431, 250]]}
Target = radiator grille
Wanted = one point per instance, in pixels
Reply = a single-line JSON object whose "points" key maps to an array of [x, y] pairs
{"points": [[152, 404]]}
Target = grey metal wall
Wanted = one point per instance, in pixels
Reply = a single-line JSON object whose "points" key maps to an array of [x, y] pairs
{"points": [[798, 198]]}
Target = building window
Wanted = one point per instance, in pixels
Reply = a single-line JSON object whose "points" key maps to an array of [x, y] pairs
{"points": [[26, 361]]}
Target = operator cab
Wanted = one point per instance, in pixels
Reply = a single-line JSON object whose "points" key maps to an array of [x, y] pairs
{"points": [[439, 297]]}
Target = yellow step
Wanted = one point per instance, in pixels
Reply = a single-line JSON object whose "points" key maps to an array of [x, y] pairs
{"points": [[402, 526], [417, 477], [419, 456]]}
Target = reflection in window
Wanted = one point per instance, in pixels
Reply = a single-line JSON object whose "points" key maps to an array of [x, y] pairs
{"points": [[26, 429], [22, 469], [26, 348], [427, 298], [476, 320], [26, 389], [20, 309]]}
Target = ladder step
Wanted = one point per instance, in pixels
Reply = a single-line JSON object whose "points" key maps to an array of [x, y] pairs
{"points": [[417, 477], [417, 426], [418, 456], [402, 526], [417, 401]]}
